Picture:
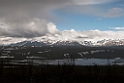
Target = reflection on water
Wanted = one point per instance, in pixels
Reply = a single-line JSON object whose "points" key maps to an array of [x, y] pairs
{"points": [[78, 61], [91, 61]]}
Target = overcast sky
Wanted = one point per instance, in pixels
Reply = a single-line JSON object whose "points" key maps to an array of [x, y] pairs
{"points": [[37, 18]]}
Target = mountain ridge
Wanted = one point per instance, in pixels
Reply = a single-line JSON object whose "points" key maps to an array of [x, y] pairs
{"points": [[103, 42]]}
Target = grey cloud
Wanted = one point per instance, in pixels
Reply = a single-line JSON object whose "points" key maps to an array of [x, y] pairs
{"points": [[33, 7], [82, 37], [114, 12], [41, 8], [92, 2], [30, 28], [19, 18], [95, 11]]}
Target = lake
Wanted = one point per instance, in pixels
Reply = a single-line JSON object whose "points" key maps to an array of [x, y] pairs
{"points": [[82, 62]]}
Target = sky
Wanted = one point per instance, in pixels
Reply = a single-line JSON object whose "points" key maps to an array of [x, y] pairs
{"points": [[76, 20]]}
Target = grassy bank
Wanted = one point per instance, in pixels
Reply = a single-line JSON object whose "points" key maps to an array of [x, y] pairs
{"points": [[62, 74]]}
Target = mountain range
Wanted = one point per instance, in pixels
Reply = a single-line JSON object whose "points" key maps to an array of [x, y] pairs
{"points": [[103, 42]]}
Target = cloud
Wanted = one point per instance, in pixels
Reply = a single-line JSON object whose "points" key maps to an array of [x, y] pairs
{"points": [[94, 10], [117, 28], [90, 35], [26, 27], [114, 12], [9, 40], [92, 2], [70, 35], [52, 29], [35, 8], [91, 7], [42, 8], [28, 18]]}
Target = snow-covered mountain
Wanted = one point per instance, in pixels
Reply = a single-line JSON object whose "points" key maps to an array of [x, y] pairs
{"points": [[29, 43], [45, 42]]}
